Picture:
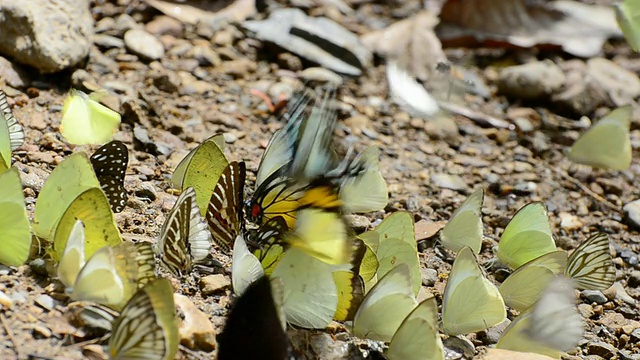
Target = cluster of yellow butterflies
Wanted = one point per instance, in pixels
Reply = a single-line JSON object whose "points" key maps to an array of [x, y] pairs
{"points": [[291, 235]]}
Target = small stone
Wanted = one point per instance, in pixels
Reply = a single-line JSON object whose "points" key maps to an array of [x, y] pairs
{"points": [[634, 279], [429, 276], [493, 334], [585, 310], [594, 296], [569, 221], [620, 84], [230, 138], [143, 44], [622, 295], [107, 41], [600, 348], [162, 25], [632, 214], [14, 76], [357, 123], [46, 302], [357, 222], [196, 331], [39, 266], [5, 301], [124, 23], [447, 181], [147, 191], [635, 335], [238, 68], [321, 75], [41, 331], [629, 257], [610, 293], [531, 81], [441, 127], [214, 283]]}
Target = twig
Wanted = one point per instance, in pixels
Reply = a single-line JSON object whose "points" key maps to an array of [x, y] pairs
{"points": [[10, 335], [588, 191]]}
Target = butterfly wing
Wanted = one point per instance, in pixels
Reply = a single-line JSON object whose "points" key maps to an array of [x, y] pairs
{"points": [[15, 235], [224, 213], [73, 257], [364, 189], [417, 337], [465, 226], [86, 121], [471, 302], [607, 144], [16, 132], [526, 237], [173, 246], [245, 267], [110, 165], [148, 326], [590, 265], [146, 263]]}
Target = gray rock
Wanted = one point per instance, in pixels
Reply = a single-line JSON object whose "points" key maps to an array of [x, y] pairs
{"points": [[634, 279], [317, 39], [108, 41], [50, 35], [146, 190], [429, 276], [595, 296], [531, 81], [620, 84], [214, 283], [621, 294], [13, 76], [143, 44], [632, 213], [603, 349], [321, 75]]}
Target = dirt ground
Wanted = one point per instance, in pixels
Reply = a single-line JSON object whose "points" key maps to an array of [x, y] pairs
{"points": [[163, 120]]}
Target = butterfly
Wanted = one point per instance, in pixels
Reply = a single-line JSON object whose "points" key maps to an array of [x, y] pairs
{"points": [[628, 17], [185, 237], [224, 213], [417, 337], [73, 192], [16, 132], [471, 302], [201, 169], [110, 165], [550, 326], [606, 144], [245, 267], [465, 226], [14, 222], [147, 327], [526, 237], [86, 121], [256, 319], [108, 277], [385, 306], [590, 265]]}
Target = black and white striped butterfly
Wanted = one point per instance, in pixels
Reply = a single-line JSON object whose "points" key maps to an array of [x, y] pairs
{"points": [[110, 165], [147, 328], [184, 238], [16, 132], [225, 215], [590, 265]]}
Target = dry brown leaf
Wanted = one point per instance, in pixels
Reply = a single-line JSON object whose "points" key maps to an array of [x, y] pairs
{"points": [[578, 29], [410, 43], [195, 11]]}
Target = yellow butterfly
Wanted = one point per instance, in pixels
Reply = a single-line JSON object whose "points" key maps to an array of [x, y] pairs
{"points": [[15, 235], [465, 226], [86, 121]]}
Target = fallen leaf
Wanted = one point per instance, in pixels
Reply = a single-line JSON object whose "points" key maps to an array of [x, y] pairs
{"points": [[195, 11], [577, 28], [317, 39]]}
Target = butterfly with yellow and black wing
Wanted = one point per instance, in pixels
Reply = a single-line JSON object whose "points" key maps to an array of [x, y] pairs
{"points": [[110, 165], [16, 132], [184, 238], [224, 214]]}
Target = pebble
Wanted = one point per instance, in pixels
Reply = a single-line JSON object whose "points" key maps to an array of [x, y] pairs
{"points": [[600, 348], [357, 124], [41, 331], [46, 302], [632, 214], [146, 191], [124, 23], [12, 74], [322, 75], [45, 21], [629, 257], [5, 301], [162, 25], [594, 296], [620, 84], [493, 334], [108, 42], [634, 279], [238, 68], [635, 335], [429, 276], [569, 221], [441, 127], [357, 222], [446, 181], [621, 294], [143, 44], [531, 81], [196, 331], [585, 310], [214, 283]]}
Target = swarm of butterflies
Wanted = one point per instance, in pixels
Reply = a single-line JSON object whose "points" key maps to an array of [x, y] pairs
{"points": [[294, 259]]}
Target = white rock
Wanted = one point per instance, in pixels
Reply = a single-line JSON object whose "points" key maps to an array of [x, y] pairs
{"points": [[143, 44], [50, 35]]}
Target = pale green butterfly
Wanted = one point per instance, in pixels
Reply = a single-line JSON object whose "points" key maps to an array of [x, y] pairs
{"points": [[417, 337], [465, 226], [15, 235], [471, 302], [606, 144], [86, 121], [526, 237], [386, 306], [628, 16]]}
